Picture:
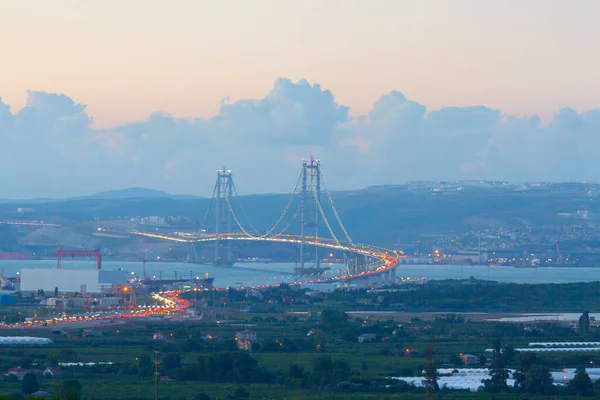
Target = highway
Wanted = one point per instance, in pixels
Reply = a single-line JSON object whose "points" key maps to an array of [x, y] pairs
{"points": [[383, 260], [172, 303]]}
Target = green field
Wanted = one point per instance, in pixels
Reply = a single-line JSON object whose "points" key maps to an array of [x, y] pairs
{"points": [[286, 363]]}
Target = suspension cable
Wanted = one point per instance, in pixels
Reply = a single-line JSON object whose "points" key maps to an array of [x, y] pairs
{"points": [[212, 199], [318, 203], [335, 212], [291, 198], [242, 208], [289, 223], [285, 210], [236, 219]]}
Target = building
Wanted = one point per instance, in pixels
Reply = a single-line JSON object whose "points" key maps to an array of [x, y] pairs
{"points": [[367, 338], [55, 302], [471, 257], [18, 372], [77, 302], [470, 359], [153, 220], [70, 280], [7, 298], [245, 339], [108, 301]]}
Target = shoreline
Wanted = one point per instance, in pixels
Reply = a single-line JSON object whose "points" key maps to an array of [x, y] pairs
{"points": [[292, 262]]}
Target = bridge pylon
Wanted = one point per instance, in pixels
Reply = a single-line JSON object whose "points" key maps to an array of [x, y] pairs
{"points": [[310, 198], [223, 217]]}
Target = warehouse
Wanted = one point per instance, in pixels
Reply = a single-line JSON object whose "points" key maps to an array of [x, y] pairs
{"points": [[70, 280]]}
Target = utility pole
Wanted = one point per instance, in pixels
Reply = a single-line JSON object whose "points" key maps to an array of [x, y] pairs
{"points": [[430, 373], [156, 373]]}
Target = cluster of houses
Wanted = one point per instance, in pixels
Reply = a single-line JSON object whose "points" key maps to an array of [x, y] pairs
{"points": [[50, 372], [244, 339], [161, 336]]}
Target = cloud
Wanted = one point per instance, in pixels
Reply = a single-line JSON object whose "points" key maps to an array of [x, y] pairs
{"points": [[50, 149]]}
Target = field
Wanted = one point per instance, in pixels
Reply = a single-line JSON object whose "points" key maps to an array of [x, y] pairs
{"points": [[312, 349], [398, 351]]}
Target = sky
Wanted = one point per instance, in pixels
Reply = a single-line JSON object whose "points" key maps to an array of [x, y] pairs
{"points": [[101, 95]]}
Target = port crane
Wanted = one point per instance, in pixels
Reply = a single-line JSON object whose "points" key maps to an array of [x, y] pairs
{"points": [[128, 294], [78, 253]]}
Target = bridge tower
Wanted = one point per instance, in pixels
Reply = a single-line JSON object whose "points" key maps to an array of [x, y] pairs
{"points": [[223, 195], [309, 207]]}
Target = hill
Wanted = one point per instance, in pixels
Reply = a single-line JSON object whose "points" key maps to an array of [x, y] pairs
{"points": [[383, 215], [129, 193]]}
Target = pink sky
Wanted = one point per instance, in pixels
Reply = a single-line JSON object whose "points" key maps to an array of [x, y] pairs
{"points": [[128, 58]]}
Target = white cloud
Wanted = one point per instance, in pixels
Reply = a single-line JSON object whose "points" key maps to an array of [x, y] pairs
{"points": [[49, 148]]}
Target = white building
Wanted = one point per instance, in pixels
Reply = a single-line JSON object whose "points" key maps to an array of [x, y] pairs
{"points": [[153, 220], [70, 280]]}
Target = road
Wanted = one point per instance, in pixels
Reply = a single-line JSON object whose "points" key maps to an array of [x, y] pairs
{"points": [[172, 303]]}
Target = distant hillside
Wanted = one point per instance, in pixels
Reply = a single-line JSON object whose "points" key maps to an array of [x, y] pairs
{"points": [[375, 215], [130, 193], [135, 193]]}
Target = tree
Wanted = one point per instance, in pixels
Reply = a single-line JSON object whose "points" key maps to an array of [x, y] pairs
{"points": [[330, 317], [241, 393], [70, 389], [363, 367], [584, 322], [536, 380], [498, 372], [202, 396], [581, 385], [509, 353], [29, 384], [295, 371], [145, 360], [171, 361], [455, 360]]}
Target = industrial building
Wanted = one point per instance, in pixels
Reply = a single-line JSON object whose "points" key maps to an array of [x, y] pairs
{"points": [[7, 297], [71, 280]]}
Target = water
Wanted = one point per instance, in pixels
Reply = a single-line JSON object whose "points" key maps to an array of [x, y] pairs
{"points": [[241, 274], [500, 274], [269, 273]]}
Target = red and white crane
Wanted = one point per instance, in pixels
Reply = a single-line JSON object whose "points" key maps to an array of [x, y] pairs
{"points": [[78, 253]]}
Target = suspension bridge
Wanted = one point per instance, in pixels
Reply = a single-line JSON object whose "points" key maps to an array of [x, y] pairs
{"points": [[304, 203]]}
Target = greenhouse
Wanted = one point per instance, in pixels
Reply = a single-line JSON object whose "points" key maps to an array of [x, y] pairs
{"points": [[23, 340]]}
